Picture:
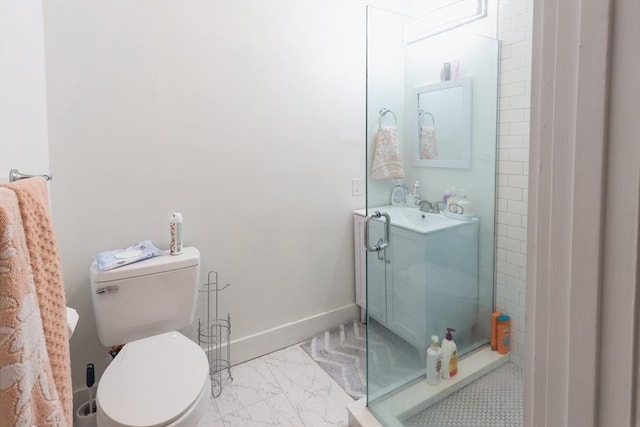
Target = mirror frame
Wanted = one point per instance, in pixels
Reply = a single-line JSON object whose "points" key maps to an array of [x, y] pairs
{"points": [[465, 161]]}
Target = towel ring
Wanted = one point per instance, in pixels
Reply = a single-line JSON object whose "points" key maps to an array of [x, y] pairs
{"points": [[383, 111], [421, 115]]}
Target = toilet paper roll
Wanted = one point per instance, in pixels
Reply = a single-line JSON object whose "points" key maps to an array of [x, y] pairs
{"points": [[72, 320]]}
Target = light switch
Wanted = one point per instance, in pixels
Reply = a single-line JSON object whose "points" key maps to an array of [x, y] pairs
{"points": [[356, 187]]}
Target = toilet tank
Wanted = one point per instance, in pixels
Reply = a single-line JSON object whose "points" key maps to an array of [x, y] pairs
{"points": [[145, 298]]}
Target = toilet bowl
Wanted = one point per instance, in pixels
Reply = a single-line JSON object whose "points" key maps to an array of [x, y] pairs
{"points": [[161, 380]]}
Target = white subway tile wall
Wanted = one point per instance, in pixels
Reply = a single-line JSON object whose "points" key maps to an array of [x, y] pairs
{"points": [[514, 30]]}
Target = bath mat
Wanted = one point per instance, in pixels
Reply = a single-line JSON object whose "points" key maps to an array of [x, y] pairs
{"points": [[341, 353]]}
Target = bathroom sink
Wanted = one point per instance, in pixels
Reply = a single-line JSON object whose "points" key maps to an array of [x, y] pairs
{"points": [[417, 217], [413, 219]]}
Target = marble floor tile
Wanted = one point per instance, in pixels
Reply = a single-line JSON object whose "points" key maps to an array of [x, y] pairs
{"points": [[318, 400], [285, 388], [274, 411], [212, 417], [252, 382]]}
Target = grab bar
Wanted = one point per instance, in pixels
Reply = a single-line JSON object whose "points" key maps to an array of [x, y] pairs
{"points": [[15, 175]]}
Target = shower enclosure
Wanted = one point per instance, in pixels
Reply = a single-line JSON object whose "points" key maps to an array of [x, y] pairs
{"points": [[432, 101]]}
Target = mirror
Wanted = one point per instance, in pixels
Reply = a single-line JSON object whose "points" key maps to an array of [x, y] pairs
{"points": [[443, 115]]}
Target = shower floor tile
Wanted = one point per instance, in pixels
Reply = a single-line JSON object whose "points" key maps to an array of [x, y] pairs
{"points": [[494, 400]]}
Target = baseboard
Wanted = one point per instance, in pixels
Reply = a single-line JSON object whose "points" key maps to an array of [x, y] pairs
{"points": [[270, 340]]}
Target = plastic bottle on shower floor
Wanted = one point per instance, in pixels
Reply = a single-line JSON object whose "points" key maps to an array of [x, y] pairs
{"points": [[449, 356], [434, 362], [502, 334], [494, 330]]}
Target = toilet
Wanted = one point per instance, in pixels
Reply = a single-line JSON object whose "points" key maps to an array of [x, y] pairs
{"points": [[160, 377]]}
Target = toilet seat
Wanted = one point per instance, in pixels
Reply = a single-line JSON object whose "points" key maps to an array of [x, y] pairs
{"points": [[154, 381]]}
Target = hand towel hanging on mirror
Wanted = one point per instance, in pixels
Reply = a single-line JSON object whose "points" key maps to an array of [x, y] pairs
{"points": [[387, 160]]}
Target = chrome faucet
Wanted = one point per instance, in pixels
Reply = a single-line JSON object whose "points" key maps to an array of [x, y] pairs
{"points": [[427, 206], [424, 205]]}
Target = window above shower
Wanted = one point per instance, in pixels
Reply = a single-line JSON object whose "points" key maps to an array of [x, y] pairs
{"points": [[438, 16]]}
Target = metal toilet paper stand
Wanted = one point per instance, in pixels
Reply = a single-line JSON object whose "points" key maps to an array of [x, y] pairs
{"points": [[214, 335]]}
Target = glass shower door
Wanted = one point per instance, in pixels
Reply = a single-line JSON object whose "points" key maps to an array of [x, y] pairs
{"points": [[395, 305], [426, 270]]}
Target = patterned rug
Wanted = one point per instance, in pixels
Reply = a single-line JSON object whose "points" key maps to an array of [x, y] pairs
{"points": [[392, 360], [341, 353]]}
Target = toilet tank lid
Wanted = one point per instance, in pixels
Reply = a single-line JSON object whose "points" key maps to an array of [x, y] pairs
{"points": [[190, 257]]}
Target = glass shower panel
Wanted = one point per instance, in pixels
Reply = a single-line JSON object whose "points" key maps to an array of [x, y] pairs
{"points": [[427, 270], [391, 360]]}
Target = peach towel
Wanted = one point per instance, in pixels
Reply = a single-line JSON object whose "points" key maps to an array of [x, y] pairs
{"points": [[35, 371], [387, 160], [428, 143]]}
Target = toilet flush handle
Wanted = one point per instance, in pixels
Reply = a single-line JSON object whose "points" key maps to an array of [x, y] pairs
{"points": [[107, 290]]}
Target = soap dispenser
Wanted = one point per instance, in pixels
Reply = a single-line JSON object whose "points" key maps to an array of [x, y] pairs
{"points": [[449, 356], [416, 191], [398, 195]]}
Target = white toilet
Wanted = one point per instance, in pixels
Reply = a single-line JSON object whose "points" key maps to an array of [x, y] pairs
{"points": [[160, 377]]}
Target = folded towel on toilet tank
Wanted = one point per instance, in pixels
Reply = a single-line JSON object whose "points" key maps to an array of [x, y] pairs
{"points": [[109, 260]]}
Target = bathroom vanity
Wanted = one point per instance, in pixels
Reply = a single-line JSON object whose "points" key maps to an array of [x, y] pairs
{"points": [[426, 279]]}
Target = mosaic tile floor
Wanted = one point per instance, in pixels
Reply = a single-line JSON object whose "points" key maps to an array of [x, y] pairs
{"points": [[494, 400]]}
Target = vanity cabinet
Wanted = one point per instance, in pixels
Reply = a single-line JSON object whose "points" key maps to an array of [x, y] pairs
{"points": [[421, 283]]}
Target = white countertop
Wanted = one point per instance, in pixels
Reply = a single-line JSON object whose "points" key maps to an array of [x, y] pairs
{"points": [[413, 219]]}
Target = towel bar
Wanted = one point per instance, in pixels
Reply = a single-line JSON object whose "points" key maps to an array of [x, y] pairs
{"points": [[15, 175]]}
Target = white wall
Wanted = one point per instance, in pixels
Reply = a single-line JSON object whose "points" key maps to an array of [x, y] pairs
{"points": [[23, 103], [515, 29], [247, 117], [385, 89]]}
